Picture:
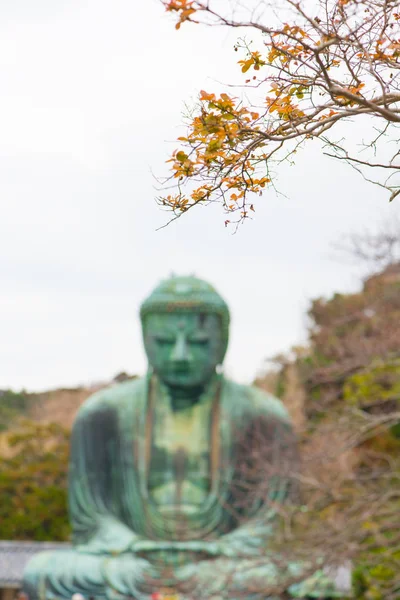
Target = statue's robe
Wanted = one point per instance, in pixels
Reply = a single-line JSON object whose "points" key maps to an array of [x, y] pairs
{"points": [[111, 509]]}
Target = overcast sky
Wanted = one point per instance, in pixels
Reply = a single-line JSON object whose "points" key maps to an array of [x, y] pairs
{"points": [[91, 98]]}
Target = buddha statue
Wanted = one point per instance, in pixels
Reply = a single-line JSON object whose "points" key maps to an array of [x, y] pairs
{"points": [[173, 477]]}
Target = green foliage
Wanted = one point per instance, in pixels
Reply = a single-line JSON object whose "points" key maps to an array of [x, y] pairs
{"points": [[33, 484], [280, 385], [354, 356], [12, 404], [353, 367], [378, 384], [372, 583]]}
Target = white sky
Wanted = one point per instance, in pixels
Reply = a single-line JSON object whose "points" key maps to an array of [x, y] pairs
{"points": [[91, 92]]}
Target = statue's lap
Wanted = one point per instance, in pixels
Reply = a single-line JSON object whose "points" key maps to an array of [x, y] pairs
{"points": [[59, 574]]}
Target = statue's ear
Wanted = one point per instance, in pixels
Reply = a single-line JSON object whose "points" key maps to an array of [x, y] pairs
{"points": [[224, 346], [145, 337]]}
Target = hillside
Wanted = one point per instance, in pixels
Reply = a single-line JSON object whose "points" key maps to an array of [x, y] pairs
{"points": [[54, 406], [343, 391], [59, 406]]}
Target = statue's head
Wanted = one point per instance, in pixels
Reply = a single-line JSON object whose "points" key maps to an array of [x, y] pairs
{"points": [[185, 330]]}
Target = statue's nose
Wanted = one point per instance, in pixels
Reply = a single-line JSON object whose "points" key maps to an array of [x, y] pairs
{"points": [[181, 351]]}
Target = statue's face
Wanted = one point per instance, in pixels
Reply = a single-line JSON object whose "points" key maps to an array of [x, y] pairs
{"points": [[183, 348]]}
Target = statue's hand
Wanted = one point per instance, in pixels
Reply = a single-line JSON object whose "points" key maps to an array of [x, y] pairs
{"points": [[144, 546], [239, 550], [227, 548], [246, 542], [111, 537], [250, 539]]}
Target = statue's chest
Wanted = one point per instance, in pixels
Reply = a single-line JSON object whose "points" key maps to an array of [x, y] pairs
{"points": [[179, 469]]}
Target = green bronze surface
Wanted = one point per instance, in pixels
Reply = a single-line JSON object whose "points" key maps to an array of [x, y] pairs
{"points": [[161, 467]]}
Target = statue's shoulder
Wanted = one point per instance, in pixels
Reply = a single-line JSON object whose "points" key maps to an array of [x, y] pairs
{"points": [[255, 401], [113, 397]]}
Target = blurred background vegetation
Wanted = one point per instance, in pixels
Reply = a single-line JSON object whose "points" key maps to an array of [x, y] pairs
{"points": [[343, 392]]}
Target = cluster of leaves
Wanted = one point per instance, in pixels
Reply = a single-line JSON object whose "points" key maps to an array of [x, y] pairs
{"points": [[311, 71], [212, 147], [33, 478]]}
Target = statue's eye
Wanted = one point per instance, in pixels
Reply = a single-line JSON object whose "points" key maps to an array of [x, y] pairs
{"points": [[199, 341], [164, 341]]}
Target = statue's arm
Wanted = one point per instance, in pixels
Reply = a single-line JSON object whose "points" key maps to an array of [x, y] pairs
{"points": [[271, 440], [93, 507]]}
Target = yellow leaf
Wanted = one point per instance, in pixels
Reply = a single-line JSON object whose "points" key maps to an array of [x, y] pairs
{"points": [[206, 96], [246, 64], [181, 156]]}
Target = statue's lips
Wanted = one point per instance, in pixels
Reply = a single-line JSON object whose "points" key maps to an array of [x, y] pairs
{"points": [[183, 370]]}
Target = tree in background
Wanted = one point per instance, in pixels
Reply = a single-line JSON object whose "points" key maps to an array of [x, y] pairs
{"points": [[34, 451], [33, 476], [375, 250], [349, 380], [12, 405], [312, 66]]}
